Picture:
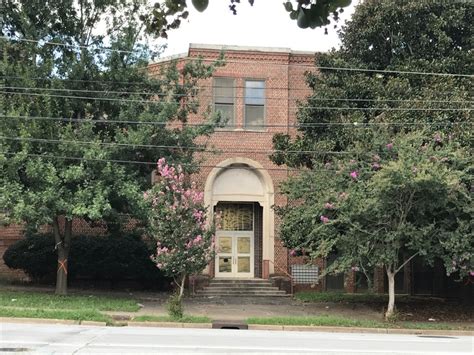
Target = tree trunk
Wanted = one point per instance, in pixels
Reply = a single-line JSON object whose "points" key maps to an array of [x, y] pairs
{"points": [[63, 245], [391, 293], [181, 286]]}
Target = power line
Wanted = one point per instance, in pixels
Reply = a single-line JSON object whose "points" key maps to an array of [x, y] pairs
{"points": [[74, 46], [225, 128], [387, 71], [107, 92], [151, 146], [148, 163], [128, 83], [267, 106]]}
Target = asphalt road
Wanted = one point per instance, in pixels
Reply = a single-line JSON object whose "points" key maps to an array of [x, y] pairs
{"points": [[68, 339]]}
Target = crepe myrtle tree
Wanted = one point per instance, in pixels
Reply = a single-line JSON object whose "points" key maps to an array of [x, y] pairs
{"points": [[384, 204], [178, 222]]}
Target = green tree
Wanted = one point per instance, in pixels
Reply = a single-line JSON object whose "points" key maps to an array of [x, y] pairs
{"points": [[403, 196], [167, 15], [178, 223], [361, 87], [388, 37], [81, 119]]}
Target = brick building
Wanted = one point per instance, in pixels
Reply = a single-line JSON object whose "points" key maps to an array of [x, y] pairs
{"points": [[257, 91]]}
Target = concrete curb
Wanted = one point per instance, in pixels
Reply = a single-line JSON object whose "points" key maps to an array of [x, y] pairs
{"points": [[38, 320], [93, 323], [303, 328], [308, 328], [170, 325]]}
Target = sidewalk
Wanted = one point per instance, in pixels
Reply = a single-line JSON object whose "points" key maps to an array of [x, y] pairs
{"points": [[241, 308]]}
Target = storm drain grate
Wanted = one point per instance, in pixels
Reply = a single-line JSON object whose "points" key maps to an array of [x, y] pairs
{"points": [[229, 325]]}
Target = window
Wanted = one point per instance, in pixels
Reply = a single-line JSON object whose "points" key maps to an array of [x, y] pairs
{"points": [[254, 104], [224, 99]]}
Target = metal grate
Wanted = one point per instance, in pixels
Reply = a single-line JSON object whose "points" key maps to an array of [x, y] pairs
{"points": [[305, 274]]}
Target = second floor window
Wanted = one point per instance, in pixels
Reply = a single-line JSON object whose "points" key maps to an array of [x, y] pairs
{"points": [[224, 99], [254, 104]]}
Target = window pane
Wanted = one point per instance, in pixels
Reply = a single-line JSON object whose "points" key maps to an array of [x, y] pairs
{"points": [[254, 116], [243, 245], [227, 113], [223, 91], [254, 92], [225, 245], [243, 264], [236, 217], [225, 264]]}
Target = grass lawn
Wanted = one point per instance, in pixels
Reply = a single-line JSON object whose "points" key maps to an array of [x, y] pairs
{"points": [[333, 321], [51, 301], [308, 296], [185, 319], [79, 315]]}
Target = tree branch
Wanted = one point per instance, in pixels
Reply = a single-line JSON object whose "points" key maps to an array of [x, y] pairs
{"points": [[406, 262]]}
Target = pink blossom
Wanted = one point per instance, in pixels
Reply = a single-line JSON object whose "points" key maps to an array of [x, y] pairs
{"points": [[293, 252], [145, 195], [471, 273], [324, 219], [354, 175], [375, 166], [355, 268], [389, 146], [328, 206], [197, 240]]}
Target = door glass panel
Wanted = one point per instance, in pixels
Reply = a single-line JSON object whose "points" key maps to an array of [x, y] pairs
{"points": [[225, 264], [235, 216], [243, 264], [243, 245], [225, 245]]}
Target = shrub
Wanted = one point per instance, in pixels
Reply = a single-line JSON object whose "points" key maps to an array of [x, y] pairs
{"points": [[114, 258], [34, 255], [174, 306]]}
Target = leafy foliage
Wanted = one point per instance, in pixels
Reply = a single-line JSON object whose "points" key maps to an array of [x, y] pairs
{"points": [[405, 195], [178, 223], [389, 154], [83, 119], [385, 35], [114, 258]]}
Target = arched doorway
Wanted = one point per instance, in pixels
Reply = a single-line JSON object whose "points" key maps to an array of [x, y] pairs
{"points": [[243, 191]]}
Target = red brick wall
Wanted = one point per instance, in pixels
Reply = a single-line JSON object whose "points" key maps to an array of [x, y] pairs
{"points": [[8, 236], [283, 73]]}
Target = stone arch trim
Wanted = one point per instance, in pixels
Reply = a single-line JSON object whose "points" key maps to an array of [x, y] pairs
{"points": [[267, 203], [260, 171]]}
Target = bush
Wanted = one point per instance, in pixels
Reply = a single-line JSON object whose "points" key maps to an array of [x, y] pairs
{"points": [[34, 255], [175, 307], [113, 258]]}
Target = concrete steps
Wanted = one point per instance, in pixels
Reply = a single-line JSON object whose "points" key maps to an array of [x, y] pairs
{"points": [[241, 288]]}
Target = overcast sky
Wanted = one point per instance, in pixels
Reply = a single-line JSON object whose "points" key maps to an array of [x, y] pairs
{"points": [[266, 24]]}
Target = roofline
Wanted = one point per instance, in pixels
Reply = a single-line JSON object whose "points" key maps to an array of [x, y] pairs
{"points": [[223, 47], [170, 58], [233, 48]]}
